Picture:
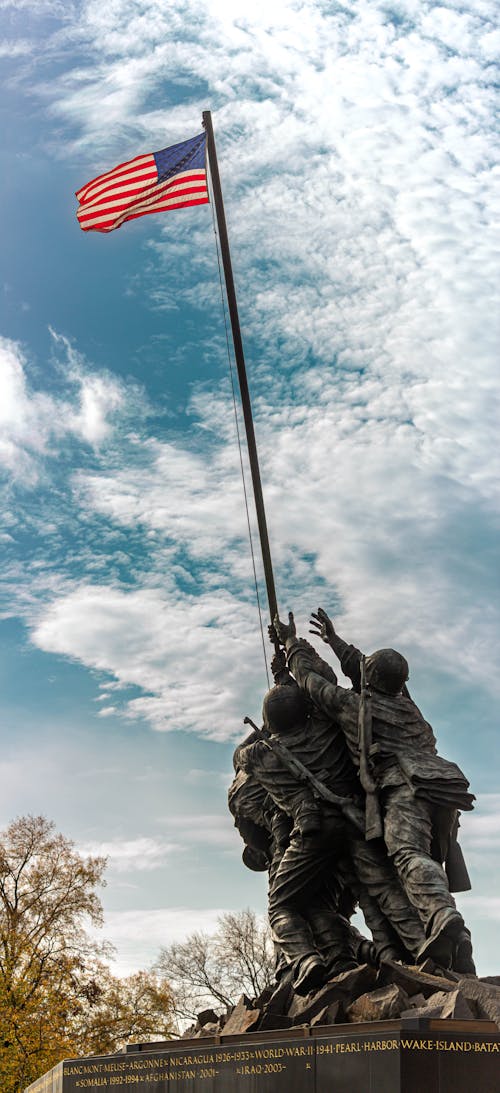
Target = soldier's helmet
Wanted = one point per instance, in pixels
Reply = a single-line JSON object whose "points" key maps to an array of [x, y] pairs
{"points": [[387, 671], [284, 707]]}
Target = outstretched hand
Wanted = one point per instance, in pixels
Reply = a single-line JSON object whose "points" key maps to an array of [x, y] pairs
{"points": [[322, 626], [283, 631]]}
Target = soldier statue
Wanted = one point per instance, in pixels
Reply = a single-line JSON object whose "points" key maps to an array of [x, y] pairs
{"points": [[419, 792], [325, 839]]}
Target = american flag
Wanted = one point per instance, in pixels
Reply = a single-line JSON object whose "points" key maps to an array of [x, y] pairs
{"points": [[170, 179]]}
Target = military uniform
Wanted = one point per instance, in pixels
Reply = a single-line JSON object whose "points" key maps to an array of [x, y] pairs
{"points": [[414, 781], [322, 841], [266, 831]]}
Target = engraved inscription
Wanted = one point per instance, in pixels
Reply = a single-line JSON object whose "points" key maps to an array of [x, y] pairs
{"points": [[291, 1066], [489, 1048]]}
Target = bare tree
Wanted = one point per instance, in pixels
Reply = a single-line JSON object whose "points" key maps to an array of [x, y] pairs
{"points": [[212, 970]]}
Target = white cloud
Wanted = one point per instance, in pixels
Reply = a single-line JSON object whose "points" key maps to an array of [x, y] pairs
{"points": [[356, 147], [32, 422], [15, 48], [25, 421], [482, 907], [140, 855], [208, 829], [175, 648], [191, 497], [369, 200], [98, 398], [60, 8], [481, 829], [139, 935], [387, 521], [366, 501]]}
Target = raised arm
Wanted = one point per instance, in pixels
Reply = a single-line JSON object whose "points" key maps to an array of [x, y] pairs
{"points": [[350, 657], [303, 661]]}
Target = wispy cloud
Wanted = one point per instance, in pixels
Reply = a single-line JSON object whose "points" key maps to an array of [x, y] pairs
{"points": [[140, 855], [33, 421], [174, 647], [139, 935], [393, 534], [208, 829], [483, 907], [18, 47], [481, 830]]}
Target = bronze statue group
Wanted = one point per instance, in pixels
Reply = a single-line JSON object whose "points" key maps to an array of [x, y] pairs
{"points": [[342, 798]]}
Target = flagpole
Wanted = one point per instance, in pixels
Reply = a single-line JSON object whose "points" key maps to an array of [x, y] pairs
{"points": [[240, 364]]}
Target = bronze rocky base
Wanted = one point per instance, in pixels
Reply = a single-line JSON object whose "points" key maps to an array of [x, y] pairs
{"points": [[361, 995]]}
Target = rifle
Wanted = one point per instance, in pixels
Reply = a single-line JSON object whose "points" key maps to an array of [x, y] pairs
{"points": [[373, 819], [456, 869], [304, 775]]}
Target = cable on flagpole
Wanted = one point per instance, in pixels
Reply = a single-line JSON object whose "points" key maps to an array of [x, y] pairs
{"points": [[238, 434]]}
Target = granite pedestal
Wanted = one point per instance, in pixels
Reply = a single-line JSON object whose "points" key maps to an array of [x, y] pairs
{"points": [[399, 1056]]}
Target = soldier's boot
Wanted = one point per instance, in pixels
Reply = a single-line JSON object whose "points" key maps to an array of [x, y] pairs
{"points": [[462, 960], [335, 941], [292, 933], [366, 952], [311, 972], [446, 929]]}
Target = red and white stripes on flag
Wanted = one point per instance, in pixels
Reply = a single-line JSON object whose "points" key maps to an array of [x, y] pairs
{"points": [[173, 178]]}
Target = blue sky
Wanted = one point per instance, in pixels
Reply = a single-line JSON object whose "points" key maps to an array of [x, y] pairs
{"points": [[357, 154]]}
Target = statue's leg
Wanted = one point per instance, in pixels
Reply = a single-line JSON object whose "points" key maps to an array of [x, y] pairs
{"points": [[387, 942], [279, 843], [334, 939], [303, 869], [382, 886], [408, 837], [293, 934]]}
